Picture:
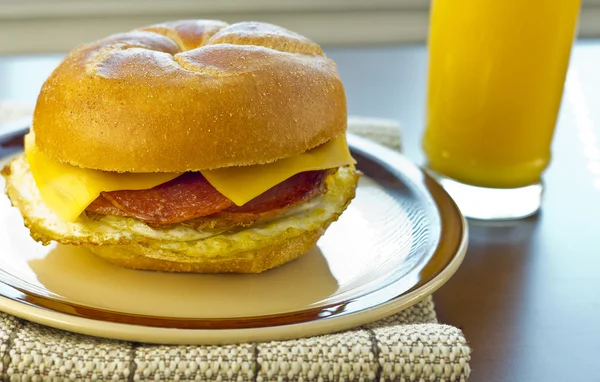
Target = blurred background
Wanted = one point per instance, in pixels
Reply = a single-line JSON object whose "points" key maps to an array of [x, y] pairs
{"points": [[378, 45], [50, 26]]}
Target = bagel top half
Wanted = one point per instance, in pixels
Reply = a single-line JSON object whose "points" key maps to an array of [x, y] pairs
{"points": [[188, 96]]}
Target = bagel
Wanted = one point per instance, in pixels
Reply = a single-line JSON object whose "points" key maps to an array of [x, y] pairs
{"points": [[241, 94], [188, 146]]}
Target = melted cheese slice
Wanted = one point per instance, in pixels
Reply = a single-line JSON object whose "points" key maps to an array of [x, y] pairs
{"points": [[242, 184], [68, 190]]}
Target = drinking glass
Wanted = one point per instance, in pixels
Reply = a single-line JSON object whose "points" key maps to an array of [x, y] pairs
{"points": [[495, 81]]}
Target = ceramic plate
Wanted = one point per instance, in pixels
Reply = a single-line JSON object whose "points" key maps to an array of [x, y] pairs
{"points": [[400, 239]]}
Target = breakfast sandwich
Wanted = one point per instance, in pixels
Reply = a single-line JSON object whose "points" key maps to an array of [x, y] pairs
{"points": [[188, 146]]}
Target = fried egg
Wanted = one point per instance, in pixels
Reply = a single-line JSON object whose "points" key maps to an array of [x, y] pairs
{"points": [[45, 226]]}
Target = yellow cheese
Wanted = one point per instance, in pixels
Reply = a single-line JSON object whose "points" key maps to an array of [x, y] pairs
{"points": [[67, 190], [242, 184]]}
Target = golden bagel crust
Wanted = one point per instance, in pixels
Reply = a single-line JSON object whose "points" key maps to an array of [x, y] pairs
{"points": [[254, 261], [190, 95]]}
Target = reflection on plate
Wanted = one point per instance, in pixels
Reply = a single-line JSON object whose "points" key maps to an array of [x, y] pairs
{"points": [[401, 238]]}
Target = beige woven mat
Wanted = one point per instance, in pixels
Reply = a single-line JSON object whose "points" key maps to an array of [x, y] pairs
{"points": [[409, 346]]}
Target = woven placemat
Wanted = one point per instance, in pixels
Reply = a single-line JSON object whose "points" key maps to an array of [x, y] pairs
{"points": [[408, 346]]}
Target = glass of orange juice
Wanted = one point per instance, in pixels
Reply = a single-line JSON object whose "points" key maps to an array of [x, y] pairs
{"points": [[496, 75]]}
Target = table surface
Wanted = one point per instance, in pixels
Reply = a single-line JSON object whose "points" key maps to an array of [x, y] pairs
{"points": [[528, 293]]}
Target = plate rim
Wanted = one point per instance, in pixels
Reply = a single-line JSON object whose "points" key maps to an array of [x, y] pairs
{"points": [[316, 326]]}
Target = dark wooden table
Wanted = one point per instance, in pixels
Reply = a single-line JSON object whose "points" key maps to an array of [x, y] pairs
{"points": [[528, 294]]}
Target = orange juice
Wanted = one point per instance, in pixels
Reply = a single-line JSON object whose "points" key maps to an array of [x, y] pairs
{"points": [[496, 74]]}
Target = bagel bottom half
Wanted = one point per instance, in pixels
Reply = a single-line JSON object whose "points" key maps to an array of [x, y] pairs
{"points": [[271, 255], [130, 243]]}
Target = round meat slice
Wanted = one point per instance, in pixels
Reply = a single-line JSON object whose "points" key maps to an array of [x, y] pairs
{"points": [[192, 199], [183, 198]]}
